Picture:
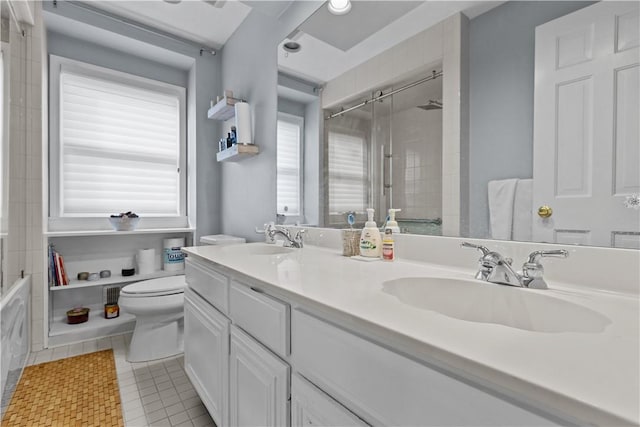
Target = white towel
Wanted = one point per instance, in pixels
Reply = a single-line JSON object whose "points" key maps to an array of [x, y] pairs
{"points": [[501, 197], [522, 211]]}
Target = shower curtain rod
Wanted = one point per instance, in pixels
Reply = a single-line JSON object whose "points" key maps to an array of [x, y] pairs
{"points": [[434, 75]]}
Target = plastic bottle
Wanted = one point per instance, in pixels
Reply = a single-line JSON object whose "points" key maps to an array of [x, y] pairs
{"points": [[388, 249], [392, 224], [370, 241], [234, 135]]}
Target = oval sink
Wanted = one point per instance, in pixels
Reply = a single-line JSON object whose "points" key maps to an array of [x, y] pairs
{"points": [[476, 301], [259, 249]]}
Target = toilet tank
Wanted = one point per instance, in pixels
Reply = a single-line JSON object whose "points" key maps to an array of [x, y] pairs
{"points": [[221, 239]]}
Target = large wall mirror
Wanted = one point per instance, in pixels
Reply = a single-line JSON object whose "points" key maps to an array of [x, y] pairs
{"points": [[503, 120]]}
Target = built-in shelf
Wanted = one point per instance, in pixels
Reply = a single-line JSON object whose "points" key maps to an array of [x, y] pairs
{"points": [[80, 233], [224, 109], [59, 326], [237, 152], [114, 280]]}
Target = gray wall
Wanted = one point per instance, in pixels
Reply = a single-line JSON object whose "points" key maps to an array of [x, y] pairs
{"points": [[501, 59], [200, 74], [290, 107], [81, 50], [250, 69]]}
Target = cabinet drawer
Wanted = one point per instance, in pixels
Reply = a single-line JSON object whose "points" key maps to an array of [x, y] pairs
{"points": [[262, 316], [310, 406], [209, 284], [386, 388]]}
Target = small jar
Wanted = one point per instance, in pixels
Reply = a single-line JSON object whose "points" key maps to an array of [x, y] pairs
{"points": [[111, 311]]}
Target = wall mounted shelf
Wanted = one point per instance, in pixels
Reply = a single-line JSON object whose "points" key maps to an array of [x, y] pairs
{"points": [[237, 152], [223, 109]]}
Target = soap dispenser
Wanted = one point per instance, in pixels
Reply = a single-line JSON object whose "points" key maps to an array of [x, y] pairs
{"points": [[392, 224], [370, 241]]}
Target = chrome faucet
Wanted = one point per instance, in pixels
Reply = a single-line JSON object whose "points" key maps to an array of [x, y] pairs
{"points": [[495, 268], [271, 231]]}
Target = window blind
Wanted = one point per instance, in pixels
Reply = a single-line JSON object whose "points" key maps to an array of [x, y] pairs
{"points": [[347, 173], [120, 148], [288, 166]]}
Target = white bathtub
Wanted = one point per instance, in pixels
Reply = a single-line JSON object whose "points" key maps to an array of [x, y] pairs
{"points": [[14, 336]]}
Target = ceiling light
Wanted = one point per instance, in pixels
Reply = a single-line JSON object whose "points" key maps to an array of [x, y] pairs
{"points": [[292, 46], [173, 1], [339, 7]]}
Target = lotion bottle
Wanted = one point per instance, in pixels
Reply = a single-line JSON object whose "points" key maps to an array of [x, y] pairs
{"points": [[370, 241], [392, 224], [388, 250]]}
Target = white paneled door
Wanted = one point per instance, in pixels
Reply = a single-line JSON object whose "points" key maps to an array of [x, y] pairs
{"points": [[587, 126]]}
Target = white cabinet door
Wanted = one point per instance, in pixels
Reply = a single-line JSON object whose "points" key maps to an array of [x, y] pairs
{"points": [[586, 127], [206, 354], [310, 406], [259, 384]]}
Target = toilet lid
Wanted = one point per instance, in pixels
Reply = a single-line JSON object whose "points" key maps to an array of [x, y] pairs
{"points": [[156, 287]]}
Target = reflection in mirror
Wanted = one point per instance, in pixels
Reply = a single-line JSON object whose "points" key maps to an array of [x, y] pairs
{"points": [[388, 154], [456, 153]]}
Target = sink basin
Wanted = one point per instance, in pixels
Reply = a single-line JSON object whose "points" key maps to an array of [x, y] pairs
{"points": [[480, 302], [259, 249]]}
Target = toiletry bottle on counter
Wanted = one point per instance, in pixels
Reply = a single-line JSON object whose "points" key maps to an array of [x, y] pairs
{"points": [[370, 241], [392, 224], [388, 250]]}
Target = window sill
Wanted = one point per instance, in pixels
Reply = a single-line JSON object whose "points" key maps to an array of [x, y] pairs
{"points": [[77, 233]]}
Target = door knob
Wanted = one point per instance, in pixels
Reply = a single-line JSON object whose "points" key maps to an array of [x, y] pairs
{"points": [[545, 211]]}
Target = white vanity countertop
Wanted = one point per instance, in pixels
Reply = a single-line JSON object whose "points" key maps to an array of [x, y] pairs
{"points": [[592, 375]]}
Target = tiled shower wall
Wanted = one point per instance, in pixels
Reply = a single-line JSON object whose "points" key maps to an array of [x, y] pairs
{"points": [[417, 167], [25, 241]]}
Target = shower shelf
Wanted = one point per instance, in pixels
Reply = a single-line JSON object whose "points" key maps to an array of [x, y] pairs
{"points": [[114, 280]]}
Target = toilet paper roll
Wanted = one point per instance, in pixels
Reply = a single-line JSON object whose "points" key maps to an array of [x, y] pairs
{"points": [[173, 257], [146, 260], [243, 123]]}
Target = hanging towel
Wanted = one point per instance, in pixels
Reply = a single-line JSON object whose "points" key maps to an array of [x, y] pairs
{"points": [[522, 211], [501, 197]]}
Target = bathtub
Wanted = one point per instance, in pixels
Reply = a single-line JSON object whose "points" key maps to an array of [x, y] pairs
{"points": [[14, 336]]}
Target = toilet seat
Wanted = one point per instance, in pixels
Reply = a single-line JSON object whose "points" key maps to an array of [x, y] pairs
{"points": [[155, 287]]}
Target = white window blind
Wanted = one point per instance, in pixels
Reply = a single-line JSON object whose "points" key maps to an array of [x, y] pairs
{"points": [[289, 161], [119, 148], [347, 173]]}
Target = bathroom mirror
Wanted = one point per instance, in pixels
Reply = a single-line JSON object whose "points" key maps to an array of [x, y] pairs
{"points": [[391, 152]]}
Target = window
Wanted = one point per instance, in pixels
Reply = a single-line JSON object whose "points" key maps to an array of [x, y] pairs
{"points": [[289, 164], [347, 172], [117, 144]]}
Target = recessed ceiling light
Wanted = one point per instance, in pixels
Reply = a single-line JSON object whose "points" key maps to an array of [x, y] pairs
{"points": [[339, 7], [292, 46]]}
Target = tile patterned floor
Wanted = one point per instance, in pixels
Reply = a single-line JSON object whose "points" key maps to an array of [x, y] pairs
{"points": [[156, 393]]}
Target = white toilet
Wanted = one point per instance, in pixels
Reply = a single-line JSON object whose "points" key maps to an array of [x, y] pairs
{"points": [[158, 305]]}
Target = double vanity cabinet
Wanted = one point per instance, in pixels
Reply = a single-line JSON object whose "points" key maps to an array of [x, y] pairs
{"points": [[262, 356]]}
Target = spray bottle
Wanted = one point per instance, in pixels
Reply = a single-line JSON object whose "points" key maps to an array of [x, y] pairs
{"points": [[370, 241]]}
